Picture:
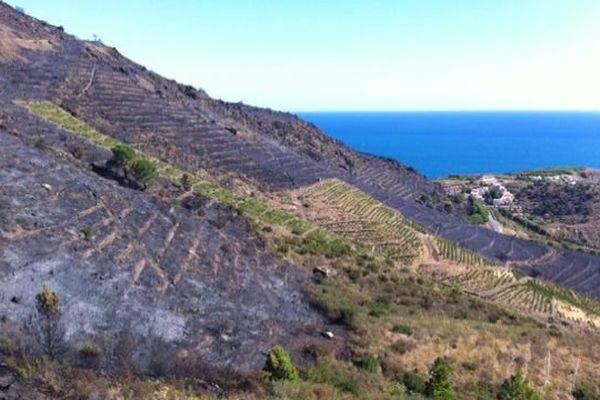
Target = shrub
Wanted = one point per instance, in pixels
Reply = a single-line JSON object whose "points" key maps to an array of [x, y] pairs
{"points": [[403, 329], [584, 391], [339, 375], [369, 363], [438, 387], [123, 156], [413, 382], [477, 213], [190, 91], [48, 326], [330, 298], [459, 198], [89, 350], [517, 388], [89, 232], [40, 143], [399, 347], [318, 244], [144, 171], [186, 182], [78, 151], [6, 344], [279, 365], [379, 307]]}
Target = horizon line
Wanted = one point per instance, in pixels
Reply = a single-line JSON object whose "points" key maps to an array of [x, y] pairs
{"points": [[547, 111]]}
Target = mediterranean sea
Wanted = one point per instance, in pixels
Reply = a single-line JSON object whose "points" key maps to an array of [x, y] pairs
{"points": [[439, 144]]}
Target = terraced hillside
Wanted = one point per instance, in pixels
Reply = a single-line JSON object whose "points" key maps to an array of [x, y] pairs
{"points": [[126, 264], [244, 148], [451, 252], [532, 297], [345, 210]]}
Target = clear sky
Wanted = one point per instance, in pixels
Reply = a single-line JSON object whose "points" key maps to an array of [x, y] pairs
{"points": [[304, 55]]}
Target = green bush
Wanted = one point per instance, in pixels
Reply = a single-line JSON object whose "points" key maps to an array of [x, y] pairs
{"points": [[279, 364], [477, 213], [413, 382], [89, 232], [332, 299], [318, 244], [6, 344], [123, 156], [380, 306], [79, 151], [438, 387], [331, 372], [403, 329], [517, 388], [89, 350], [585, 391], [186, 182], [399, 347], [144, 171], [40, 143], [459, 198], [369, 363]]}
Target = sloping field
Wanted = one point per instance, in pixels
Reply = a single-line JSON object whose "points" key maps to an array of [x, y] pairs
{"points": [[128, 266], [529, 296], [451, 252], [345, 210]]}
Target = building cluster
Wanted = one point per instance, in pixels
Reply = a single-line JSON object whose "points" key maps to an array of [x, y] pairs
{"points": [[487, 183]]}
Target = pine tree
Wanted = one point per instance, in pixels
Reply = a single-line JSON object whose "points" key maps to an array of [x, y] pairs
{"points": [[517, 388], [144, 171], [279, 365], [186, 182], [49, 314], [438, 387]]}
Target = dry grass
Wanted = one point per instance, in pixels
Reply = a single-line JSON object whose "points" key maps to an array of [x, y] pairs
{"points": [[12, 45]]}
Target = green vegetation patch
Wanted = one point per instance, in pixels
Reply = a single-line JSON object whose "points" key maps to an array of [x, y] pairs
{"points": [[279, 364], [549, 172], [477, 213]]}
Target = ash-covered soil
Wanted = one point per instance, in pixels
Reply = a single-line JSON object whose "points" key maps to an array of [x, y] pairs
{"points": [[129, 267]]}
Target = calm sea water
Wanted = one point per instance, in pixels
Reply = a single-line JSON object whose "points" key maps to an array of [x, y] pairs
{"points": [[444, 143]]}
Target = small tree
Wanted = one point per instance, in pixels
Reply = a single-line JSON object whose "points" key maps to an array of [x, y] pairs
{"points": [[49, 313], [144, 172], [413, 382], [587, 391], [438, 387], [279, 364], [517, 388], [123, 158], [186, 182]]}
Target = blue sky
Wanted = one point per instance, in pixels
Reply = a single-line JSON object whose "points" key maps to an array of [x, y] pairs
{"points": [[303, 55]]}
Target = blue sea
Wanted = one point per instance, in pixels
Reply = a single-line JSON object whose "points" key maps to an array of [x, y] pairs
{"points": [[445, 143]]}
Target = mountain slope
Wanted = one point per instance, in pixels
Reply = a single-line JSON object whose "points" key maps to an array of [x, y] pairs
{"points": [[124, 262], [240, 146], [175, 281]]}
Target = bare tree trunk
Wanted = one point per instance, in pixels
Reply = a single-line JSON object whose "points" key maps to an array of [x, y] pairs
{"points": [[575, 372], [548, 368]]}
